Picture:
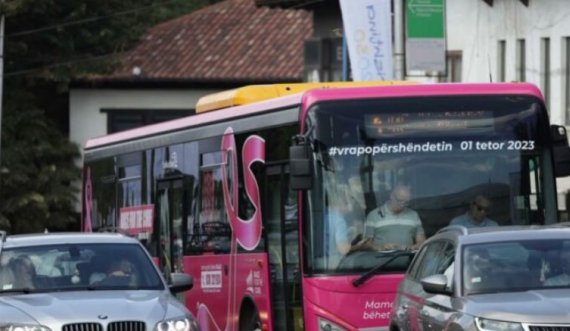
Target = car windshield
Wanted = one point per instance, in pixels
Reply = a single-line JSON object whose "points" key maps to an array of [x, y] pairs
{"points": [[77, 267], [516, 266]]}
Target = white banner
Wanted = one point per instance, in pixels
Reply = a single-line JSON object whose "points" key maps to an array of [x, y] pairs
{"points": [[368, 33]]}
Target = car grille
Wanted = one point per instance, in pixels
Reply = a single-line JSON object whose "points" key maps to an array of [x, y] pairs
{"points": [[549, 327], [83, 327], [113, 326]]}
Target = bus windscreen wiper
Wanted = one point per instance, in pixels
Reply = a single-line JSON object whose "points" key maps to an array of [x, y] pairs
{"points": [[362, 279]]}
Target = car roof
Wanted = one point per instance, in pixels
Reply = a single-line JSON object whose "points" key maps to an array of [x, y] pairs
{"points": [[468, 236], [38, 239]]}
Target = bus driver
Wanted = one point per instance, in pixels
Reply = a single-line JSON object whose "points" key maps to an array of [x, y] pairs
{"points": [[393, 225]]}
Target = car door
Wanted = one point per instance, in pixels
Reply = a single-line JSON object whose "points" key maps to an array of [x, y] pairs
{"points": [[411, 297], [405, 309], [436, 309]]}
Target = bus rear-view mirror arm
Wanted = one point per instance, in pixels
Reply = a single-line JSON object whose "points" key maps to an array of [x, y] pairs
{"points": [[560, 150], [300, 173]]}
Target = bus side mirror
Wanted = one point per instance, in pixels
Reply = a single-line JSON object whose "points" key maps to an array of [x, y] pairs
{"points": [[560, 150], [300, 174]]}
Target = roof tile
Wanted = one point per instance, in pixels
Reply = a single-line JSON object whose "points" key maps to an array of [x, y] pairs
{"points": [[230, 40]]}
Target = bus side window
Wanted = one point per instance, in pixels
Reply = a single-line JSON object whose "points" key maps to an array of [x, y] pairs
{"points": [[216, 237]]}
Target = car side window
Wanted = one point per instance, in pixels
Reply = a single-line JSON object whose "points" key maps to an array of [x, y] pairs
{"points": [[447, 258], [448, 263], [417, 262], [435, 260]]}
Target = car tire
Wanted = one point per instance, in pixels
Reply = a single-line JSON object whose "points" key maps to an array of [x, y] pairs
{"points": [[249, 319]]}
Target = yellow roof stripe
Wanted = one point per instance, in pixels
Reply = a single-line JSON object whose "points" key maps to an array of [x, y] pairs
{"points": [[254, 93]]}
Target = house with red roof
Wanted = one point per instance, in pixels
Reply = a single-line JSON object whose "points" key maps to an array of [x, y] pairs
{"points": [[226, 45]]}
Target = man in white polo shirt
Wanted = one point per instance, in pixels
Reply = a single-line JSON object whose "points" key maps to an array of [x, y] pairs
{"points": [[393, 225]]}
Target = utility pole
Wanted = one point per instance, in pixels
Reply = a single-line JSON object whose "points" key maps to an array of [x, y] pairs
{"points": [[345, 61], [399, 33], [1, 80]]}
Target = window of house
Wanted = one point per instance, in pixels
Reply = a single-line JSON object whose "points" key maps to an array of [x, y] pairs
{"points": [[454, 66], [545, 70], [566, 72], [501, 61], [521, 60], [125, 119]]}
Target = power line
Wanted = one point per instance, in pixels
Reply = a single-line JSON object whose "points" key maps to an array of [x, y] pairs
{"points": [[53, 65], [70, 23], [86, 20]]}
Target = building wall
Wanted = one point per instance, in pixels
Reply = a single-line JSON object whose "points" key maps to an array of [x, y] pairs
{"points": [[87, 119], [476, 28]]}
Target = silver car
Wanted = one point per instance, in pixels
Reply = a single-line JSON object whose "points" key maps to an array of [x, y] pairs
{"points": [[488, 279], [86, 282]]}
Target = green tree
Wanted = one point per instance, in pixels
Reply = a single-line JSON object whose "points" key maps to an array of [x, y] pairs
{"points": [[38, 171], [48, 44]]}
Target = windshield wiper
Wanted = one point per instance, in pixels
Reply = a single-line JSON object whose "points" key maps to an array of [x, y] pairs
{"points": [[366, 276]]}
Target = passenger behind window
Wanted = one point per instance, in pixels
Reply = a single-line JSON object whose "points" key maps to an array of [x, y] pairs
{"points": [[478, 269], [25, 276], [119, 273], [476, 216], [343, 224], [96, 271], [562, 279], [394, 225], [356, 204], [6, 276]]}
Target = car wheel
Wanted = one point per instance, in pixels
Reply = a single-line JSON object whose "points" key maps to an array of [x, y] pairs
{"points": [[394, 327], [249, 318]]}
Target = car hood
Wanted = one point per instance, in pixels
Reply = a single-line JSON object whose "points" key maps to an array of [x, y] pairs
{"points": [[94, 306], [536, 306]]}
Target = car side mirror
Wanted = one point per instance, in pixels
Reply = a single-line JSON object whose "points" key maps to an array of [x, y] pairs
{"points": [[180, 282], [436, 284]]}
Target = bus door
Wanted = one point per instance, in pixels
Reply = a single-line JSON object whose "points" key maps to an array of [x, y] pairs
{"points": [[282, 231], [170, 216]]}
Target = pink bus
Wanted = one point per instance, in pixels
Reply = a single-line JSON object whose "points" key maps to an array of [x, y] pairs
{"points": [[241, 196]]}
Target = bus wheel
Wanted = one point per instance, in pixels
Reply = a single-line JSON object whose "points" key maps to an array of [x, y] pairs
{"points": [[249, 318]]}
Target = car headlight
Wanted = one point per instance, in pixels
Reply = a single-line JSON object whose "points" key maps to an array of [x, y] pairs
{"points": [[22, 327], [484, 324], [177, 324], [326, 325]]}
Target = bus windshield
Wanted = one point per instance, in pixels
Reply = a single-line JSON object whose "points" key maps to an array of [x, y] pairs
{"points": [[446, 150]]}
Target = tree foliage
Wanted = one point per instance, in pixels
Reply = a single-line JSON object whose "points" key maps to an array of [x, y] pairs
{"points": [[38, 172], [47, 44]]}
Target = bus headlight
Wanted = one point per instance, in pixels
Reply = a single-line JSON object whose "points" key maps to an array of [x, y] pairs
{"points": [[326, 325], [484, 324], [177, 324]]}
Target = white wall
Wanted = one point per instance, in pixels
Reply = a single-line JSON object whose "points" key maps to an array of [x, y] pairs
{"points": [[475, 28], [87, 121]]}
